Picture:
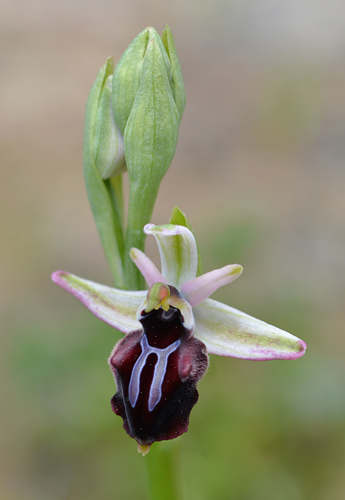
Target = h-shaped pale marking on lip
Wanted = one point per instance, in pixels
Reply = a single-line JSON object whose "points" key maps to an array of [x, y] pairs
{"points": [[158, 374]]}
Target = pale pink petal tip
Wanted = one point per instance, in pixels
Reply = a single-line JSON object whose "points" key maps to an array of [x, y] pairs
{"points": [[301, 352], [272, 354], [200, 288], [61, 278], [57, 277]]}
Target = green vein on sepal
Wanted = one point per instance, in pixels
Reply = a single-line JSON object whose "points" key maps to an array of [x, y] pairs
{"points": [[180, 218]]}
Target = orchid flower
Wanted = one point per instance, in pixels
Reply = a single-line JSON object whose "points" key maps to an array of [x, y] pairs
{"points": [[169, 330]]}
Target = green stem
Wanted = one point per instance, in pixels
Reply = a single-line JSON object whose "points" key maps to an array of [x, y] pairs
{"points": [[140, 208], [114, 186], [162, 472], [116, 183]]}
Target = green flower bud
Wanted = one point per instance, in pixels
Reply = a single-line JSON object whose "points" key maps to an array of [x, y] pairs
{"points": [[108, 146], [101, 159], [151, 131], [127, 74], [176, 81], [148, 101]]}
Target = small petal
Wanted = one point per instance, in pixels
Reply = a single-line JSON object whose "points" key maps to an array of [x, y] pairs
{"points": [[178, 252], [116, 307], [228, 332], [200, 288], [146, 267]]}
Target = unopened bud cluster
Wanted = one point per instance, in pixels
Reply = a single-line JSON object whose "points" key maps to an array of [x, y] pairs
{"points": [[132, 123], [139, 109]]}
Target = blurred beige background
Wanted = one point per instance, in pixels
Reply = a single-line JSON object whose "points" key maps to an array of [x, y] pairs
{"points": [[259, 169]]}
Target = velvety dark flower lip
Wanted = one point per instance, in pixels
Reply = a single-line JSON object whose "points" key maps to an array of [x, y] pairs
{"points": [[156, 370], [149, 368]]}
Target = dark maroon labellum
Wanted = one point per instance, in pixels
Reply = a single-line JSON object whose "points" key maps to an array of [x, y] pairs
{"points": [[156, 370]]}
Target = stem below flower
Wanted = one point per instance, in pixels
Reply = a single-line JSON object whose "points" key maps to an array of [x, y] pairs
{"points": [[140, 208], [162, 472], [114, 186]]}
